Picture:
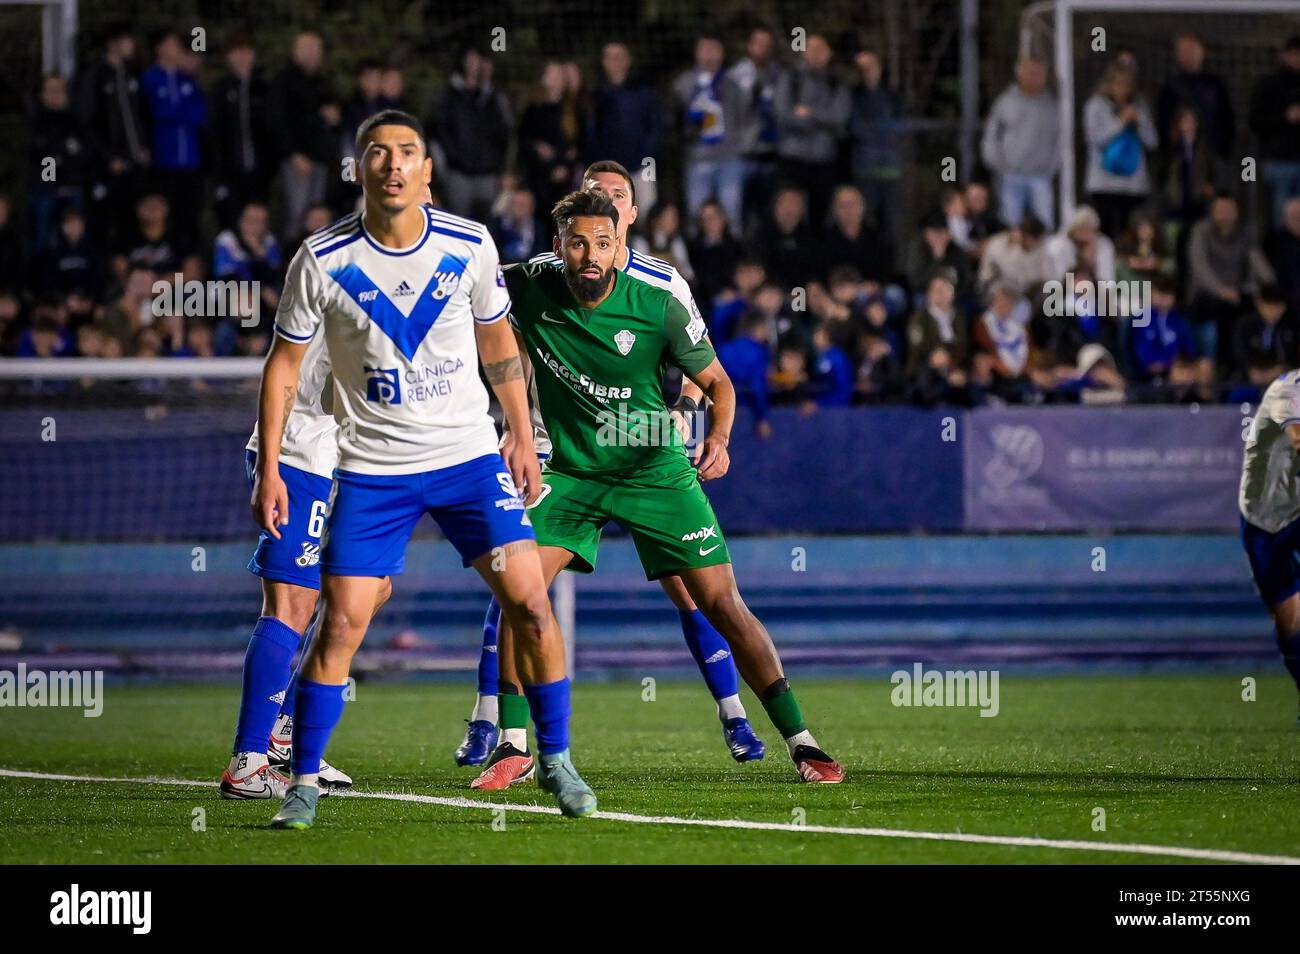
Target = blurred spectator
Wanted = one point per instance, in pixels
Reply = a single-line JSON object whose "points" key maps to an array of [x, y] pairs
{"points": [[832, 380], [472, 125], [938, 324], [745, 359], [1282, 248], [812, 113], [711, 107], [757, 75], [1275, 121], [1224, 269], [934, 249], [626, 121], [788, 381], [238, 142], [714, 253], [177, 112], [249, 252], [1142, 252], [1264, 344], [318, 217], [108, 102], [56, 157], [1018, 258], [1193, 87], [875, 125], [13, 256], [550, 138], [1191, 169], [1022, 144], [518, 232], [880, 374], [789, 256], [1001, 363], [132, 310], [1118, 130], [303, 118], [1081, 243], [155, 244], [367, 99], [736, 299], [11, 326], [392, 88], [981, 222], [46, 338], [662, 238], [1164, 350], [71, 260], [849, 239]]}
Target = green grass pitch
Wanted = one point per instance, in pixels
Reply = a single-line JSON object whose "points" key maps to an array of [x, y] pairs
{"points": [[1172, 760]]}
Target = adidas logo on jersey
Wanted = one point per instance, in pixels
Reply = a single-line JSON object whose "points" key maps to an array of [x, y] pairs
{"points": [[403, 290], [310, 555]]}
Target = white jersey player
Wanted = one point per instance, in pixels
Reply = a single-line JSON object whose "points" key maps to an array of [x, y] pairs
{"points": [[1269, 501]]}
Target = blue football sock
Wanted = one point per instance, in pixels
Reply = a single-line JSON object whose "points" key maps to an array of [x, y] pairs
{"points": [[318, 710], [549, 705], [711, 652], [286, 707], [487, 660], [266, 672]]}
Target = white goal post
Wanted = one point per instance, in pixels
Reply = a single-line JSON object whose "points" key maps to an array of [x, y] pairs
{"points": [[58, 33], [1064, 58]]}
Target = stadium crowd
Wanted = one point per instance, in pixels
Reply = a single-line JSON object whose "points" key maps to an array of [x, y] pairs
{"points": [[786, 217]]}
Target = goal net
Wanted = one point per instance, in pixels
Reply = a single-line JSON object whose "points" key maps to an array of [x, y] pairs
{"points": [[125, 525], [1078, 38]]}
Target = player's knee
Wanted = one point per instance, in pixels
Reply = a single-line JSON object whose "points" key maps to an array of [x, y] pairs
{"points": [[726, 606], [529, 615], [342, 627]]}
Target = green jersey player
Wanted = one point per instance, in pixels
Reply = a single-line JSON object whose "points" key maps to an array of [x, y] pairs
{"points": [[599, 342]]}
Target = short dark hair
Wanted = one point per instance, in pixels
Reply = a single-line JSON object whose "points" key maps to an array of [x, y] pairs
{"points": [[582, 203], [1272, 293], [609, 165], [388, 117]]}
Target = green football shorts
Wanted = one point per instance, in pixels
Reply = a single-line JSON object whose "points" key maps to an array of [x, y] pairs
{"points": [[662, 506]]}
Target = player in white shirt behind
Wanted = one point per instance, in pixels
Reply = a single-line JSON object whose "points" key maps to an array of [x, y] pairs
{"points": [[288, 566], [1269, 501], [410, 300]]}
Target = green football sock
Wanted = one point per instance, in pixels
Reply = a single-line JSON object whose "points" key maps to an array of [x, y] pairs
{"points": [[512, 711], [783, 709]]}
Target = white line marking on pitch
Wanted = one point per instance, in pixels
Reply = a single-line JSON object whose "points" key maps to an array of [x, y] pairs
{"points": [[1014, 841]]}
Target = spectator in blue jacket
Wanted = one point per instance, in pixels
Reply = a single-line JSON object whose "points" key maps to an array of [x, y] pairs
{"points": [[832, 371], [626, 121], [177, 113], [745, 360], [1163, 347]]}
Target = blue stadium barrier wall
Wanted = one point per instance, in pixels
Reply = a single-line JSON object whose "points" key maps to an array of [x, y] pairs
{"points": [[119, 475]]}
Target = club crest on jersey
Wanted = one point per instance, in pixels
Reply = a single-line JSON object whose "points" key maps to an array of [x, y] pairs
{"points": [[624, 339], [382, 386], [310, 555], [447, 283]]}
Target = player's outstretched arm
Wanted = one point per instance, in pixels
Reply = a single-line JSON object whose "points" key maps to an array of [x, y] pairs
{"points": [[505, 373], [275, 402], [714, 461]]}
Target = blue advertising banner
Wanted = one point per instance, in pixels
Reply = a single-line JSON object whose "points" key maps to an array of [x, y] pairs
{"points": [[1082, 468]]}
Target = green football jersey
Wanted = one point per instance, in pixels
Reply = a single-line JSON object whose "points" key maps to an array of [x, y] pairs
{"points": [[599, 371]]}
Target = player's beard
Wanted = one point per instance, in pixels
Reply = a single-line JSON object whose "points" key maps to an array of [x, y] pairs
{"points": [[588, 289]]}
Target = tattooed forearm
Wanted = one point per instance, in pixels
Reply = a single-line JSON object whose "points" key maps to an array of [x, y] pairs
{"points": [[290, 396], [499, 372]]}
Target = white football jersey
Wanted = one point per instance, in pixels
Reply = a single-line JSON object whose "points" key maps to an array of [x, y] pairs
{"points": [[1270, 484], [398, 326], [653, 271], [309, 436]]}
